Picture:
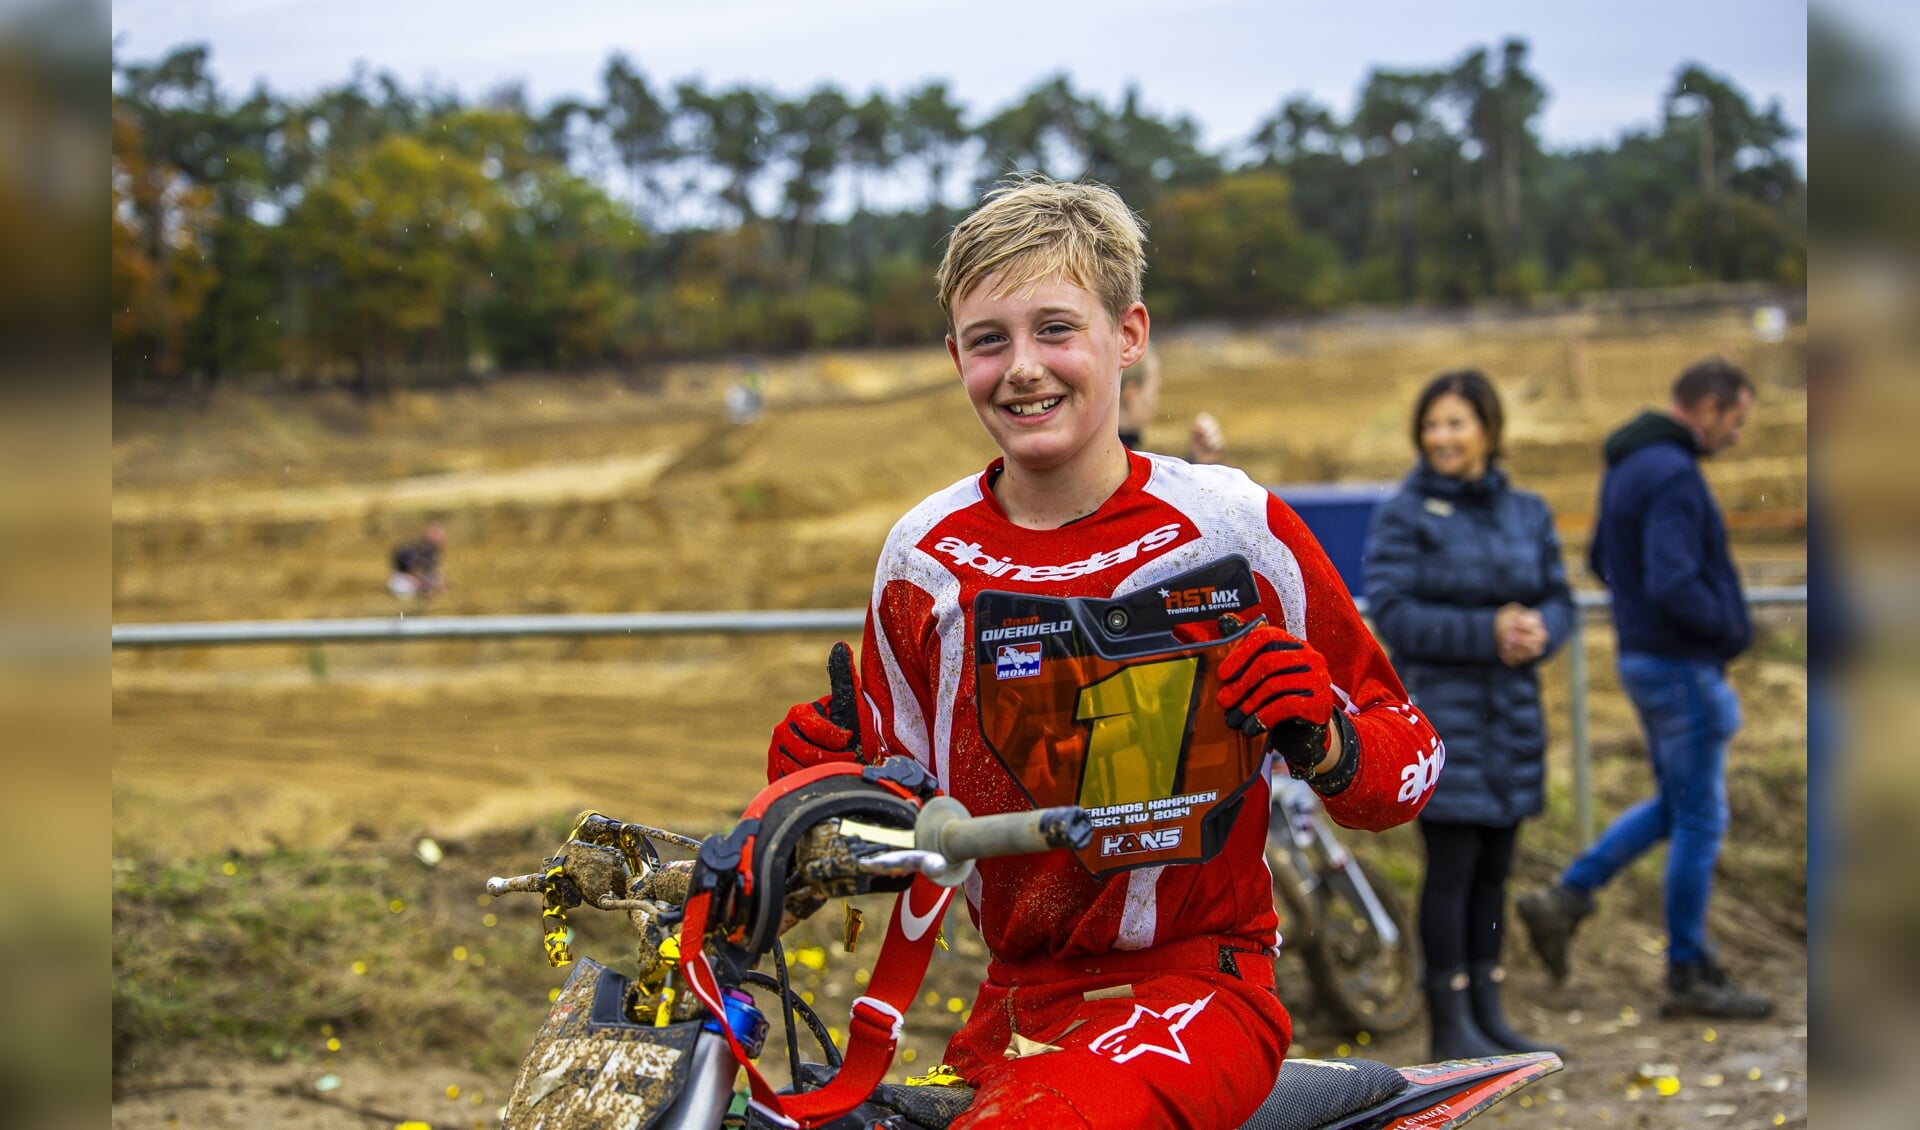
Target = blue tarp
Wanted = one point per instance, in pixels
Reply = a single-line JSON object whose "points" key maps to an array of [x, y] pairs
{"points": [[1339, 515]]}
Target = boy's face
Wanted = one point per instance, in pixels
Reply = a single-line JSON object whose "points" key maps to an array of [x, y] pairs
{"points": [[1043, 369]]}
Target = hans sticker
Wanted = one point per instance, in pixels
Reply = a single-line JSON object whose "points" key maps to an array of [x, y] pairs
{"points": [[1132, 843], [1016, 660]]}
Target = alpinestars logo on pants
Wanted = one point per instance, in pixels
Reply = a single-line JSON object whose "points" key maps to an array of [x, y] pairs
{"points": [[970, 555], [1149, 1031]]}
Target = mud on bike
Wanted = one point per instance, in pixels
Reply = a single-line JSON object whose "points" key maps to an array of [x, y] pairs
{"points": [[665, 1048]]}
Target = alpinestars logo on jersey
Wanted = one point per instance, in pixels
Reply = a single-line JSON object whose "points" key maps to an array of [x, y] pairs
{"points": [[969, 555]]}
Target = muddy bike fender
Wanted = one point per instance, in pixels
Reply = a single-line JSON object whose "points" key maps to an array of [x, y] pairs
{"points": [[590, 1066], [1455, 1093]]}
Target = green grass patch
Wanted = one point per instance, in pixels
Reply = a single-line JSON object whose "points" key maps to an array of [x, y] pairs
{"points": [[277, 955], [1782, 645]]}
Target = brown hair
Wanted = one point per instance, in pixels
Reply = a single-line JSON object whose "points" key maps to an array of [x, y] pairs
{"points": [[1716, 377], [1032, 228], [1472, 386]]}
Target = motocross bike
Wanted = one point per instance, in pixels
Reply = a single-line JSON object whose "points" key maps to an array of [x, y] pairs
{"points": [[1340, 917], [664, 1049]]}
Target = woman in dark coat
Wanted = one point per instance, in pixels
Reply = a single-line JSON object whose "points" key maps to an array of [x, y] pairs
{"points": [[1466, 588]]}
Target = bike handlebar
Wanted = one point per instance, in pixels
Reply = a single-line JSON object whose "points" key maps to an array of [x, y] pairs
{"points": [[519, 884], [1014, 833], [945, 829], [947, 841]]}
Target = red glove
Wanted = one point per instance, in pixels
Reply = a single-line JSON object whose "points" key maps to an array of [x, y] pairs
{"points": [[824, 730], [1269, 678]]}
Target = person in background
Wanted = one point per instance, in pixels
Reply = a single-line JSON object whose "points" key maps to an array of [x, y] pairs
{"points": [[1660, 545], [1140, 403], [416, 565], [1466, 587], [746, 397]]}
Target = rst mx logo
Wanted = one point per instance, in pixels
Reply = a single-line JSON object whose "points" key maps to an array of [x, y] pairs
{"points": [[1205, 598], [1016, 660], [1133, 843]]}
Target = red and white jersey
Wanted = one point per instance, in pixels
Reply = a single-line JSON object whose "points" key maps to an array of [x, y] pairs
{"points": [[917, 672]]}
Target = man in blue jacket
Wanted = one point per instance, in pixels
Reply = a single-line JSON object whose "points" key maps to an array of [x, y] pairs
{"points": [[1661, 547]]}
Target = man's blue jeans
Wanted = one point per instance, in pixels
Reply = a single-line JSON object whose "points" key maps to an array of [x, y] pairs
{"points": [[1689, 714]]}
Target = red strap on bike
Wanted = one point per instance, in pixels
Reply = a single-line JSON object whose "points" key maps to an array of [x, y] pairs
{"points": [[873, 1029]]}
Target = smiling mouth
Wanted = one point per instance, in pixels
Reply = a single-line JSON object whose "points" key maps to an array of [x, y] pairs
{"points": [[1035, 408]]}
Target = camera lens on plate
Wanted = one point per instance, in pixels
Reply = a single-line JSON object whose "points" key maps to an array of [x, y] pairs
{"points": [[1117, 620]]}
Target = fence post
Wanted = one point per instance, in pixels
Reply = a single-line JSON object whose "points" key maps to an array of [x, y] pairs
{"points": [[1577, 722]]}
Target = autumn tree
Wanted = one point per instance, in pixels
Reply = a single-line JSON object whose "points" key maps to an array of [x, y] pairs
{"points": [[377, 231], [392, 251], [1232, 249], [161, 225]]}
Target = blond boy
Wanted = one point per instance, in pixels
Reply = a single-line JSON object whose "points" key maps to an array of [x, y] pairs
{"points": [[1143, 997]]}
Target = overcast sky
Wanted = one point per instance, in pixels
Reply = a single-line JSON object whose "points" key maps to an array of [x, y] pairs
{"points": [[1226, 63]]}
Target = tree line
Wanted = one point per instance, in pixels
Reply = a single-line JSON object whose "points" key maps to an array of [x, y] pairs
{"points": [[373, 233]]}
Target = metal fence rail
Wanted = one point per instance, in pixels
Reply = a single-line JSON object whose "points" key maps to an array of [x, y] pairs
{"points": [[388, 629], [752, 622], [848, 620]]}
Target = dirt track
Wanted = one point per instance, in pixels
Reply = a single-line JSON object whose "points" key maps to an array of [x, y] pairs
{"points": [[596, 495]]}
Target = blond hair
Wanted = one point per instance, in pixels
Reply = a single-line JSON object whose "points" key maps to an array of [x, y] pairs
{"points": [[1032, 228]]}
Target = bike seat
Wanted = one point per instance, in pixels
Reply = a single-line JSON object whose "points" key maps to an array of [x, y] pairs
{"points": [[1311, 1094], [1314, 1093], [926, 1106]]}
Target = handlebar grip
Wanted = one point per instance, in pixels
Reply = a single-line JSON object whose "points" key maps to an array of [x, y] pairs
{"points": [[531, 884], [1015, 833]]}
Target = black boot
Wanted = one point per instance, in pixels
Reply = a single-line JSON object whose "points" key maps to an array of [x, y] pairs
{"points": [[1551, 916], [1455, 1035], [1702, 988], [1484, 997]]}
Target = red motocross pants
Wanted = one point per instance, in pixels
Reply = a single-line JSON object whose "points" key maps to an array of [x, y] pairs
{"points": [[1187, 1035]]}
